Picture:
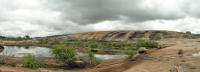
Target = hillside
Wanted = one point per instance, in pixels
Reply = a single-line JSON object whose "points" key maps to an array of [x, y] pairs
{"points": [[124, 35]]}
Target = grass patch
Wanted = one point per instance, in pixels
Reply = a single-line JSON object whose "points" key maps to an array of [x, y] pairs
{"points": [[31, 62], [147, 44], [92, 58], [130, 53]]}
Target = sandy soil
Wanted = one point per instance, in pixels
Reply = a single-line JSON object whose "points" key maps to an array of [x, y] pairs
{"points": [[162, 60]]}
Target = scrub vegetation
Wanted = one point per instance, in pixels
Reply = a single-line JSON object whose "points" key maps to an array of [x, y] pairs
{"points": [[65, 52], [65, 55], [31, 62], [147, 44]]}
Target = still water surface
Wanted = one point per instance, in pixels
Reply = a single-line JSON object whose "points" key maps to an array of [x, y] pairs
{"points": [[16, 51]]}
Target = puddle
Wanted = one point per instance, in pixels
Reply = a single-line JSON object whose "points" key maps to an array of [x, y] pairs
{"points": [[16, 51], [196, 54], [22, 51], [104, 56], [109, 57]]}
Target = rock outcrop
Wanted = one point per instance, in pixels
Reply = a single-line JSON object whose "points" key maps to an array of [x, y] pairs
{"points": [[123, 35], [1, 48]]}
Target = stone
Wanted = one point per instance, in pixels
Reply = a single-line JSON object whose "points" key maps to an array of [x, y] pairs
{"points": [[142, 50], [77, 63], [1, 48]]}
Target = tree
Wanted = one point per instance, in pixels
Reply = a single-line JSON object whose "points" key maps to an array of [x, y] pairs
{"points": [[27, 37]]}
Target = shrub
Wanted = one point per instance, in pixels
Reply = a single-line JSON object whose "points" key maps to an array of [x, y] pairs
{"points": [[63, 54], [93, 45], [130, 53], [55, 41], [27, 37], [92, 59], [43, 41], [31, 62], [147, 44], [2, 59], [91, 55]]}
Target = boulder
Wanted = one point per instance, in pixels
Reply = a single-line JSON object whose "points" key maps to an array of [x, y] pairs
{"points": [[142, 50], [1, 48], [188, 33], [78, 63], [180, 53]]}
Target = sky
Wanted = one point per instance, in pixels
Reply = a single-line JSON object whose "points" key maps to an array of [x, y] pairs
{"points": [[39, 18]]}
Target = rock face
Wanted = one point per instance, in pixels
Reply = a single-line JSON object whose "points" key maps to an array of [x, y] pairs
{"points": [[142, 50], [1, 48], [123, 35]]}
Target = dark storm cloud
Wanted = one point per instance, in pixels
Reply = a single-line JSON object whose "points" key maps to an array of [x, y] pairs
{"points": [[93, 11], [51, 17]]}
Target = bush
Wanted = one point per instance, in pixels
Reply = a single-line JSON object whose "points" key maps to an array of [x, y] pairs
{"points": [[93, 45], [55, 41], [31, 62], [2, 59], [43, 41], [147, 44], [130, 53], [91, 55], [92, 59], [63, 54]]}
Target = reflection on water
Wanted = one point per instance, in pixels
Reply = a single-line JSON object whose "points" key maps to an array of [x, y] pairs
{"points": [[21, 51], [109, 57], [17, 51], [196, 54], [103, 56]]}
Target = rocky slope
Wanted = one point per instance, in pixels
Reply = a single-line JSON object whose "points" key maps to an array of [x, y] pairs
{"points": [[124, 35]]}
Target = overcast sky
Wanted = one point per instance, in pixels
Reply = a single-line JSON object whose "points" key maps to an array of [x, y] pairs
{"points": [[51, 17]]}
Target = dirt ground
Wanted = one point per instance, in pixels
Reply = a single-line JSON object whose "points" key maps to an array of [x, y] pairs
{"points": [[162, 60]]}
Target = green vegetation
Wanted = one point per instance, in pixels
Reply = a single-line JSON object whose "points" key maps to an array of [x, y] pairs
{"points": [[31, 62], [64, 54], [55, 42], [130, 53], [26, 37], [104, 45], [2, 59], [92, 59], [147, 44], [43, 41], [49, 41]]}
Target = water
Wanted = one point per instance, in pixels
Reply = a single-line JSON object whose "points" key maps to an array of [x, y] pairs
{"points": [[196, 54], [15, 51], [22, 51], [103, 56]]}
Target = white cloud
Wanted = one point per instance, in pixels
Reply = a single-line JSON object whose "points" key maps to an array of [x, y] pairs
{"points": [[184, 24], [51, 17], [22, 17]]}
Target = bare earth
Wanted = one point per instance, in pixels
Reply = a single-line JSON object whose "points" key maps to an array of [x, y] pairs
{"points": [[162, 60]]}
